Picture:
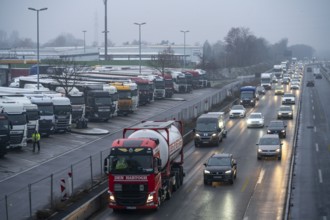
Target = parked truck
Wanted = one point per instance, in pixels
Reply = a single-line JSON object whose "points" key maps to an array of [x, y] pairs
{"points": [[248, 96], [125, 103], [146, 167], [266, 80], [62, 112], [46, 114], [5, 127], [17, 117]]}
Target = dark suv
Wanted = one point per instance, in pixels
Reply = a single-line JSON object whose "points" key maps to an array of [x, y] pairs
{"points": [[220, 168], [277, 127]]}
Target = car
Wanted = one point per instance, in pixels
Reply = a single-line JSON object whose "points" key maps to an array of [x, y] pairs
{"points": [[318, 76], [279, 90], [286, 81], [309, 69], [310, 83], [277, 127], [269, 145], [288, 99], [261, 90], [237, 111], [285, 111], [295, 86], [220, 167], [256, 119]]}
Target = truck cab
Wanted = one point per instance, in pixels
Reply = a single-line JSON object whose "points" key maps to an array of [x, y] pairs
{"points": [[62, 112], [5, 127], [248, 96]]}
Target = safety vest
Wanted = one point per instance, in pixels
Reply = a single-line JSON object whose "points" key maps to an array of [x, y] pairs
{"points": [[36, 136]]}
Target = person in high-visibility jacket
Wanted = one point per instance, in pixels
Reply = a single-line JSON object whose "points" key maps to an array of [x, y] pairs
{"points": [[36, 140]]}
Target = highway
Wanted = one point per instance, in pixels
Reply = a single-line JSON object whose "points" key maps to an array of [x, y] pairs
{"points": [[259, 191]]}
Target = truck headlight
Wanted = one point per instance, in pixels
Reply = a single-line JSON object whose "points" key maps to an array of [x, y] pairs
{"points": [[206, 172], [111, 197], [150, 197]]}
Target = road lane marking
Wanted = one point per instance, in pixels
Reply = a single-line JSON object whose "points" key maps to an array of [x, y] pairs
{"points": [[246, 182], [313, 107], [261, 176], [324, 217], [312, 100], [314, 117], [315, 129], [245, 218], [320, 176], [317, 147]]}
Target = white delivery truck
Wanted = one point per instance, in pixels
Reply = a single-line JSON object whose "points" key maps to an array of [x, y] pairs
{"points": [[63, 113], [266, 80]]}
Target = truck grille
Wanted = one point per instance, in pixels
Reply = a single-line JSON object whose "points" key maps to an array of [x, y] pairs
{"points": [[131, 195], [16, 138]]}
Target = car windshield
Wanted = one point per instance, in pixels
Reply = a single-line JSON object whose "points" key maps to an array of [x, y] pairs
{"points": [[255, 116], [237, 107], [276, 124], [269, 141], [285, 108], [219, 161]]}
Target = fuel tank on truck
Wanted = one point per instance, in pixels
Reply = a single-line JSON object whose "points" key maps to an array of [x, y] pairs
{"points": [[167, 153]]}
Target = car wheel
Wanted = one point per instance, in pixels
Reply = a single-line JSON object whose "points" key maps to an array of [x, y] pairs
{"points": [[259, 158], [206, 182], [231, 181]]}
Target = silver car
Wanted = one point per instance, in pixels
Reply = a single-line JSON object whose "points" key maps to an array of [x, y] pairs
{"points": [[285, 111], [269, 146]]}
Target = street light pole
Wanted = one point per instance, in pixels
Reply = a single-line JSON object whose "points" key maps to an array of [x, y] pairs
{"points": [[37, 10], [105, 30], [184, 48], [84, 41], [140, 24]]}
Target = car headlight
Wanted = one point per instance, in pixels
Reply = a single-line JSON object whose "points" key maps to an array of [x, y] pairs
{"points": [[228, 172], [151, 197], [279, 113], [290, 113], [206, 172], [278, 150], [259, 150], [249, 121], [268, 131], [252, 100], [197, 135], [283, 131], [214, 135]]}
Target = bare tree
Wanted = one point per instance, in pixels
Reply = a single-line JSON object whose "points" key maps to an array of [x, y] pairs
{"points": [[65, 73], [165, 59]]}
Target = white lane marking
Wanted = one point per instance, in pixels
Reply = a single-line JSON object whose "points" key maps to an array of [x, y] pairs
{"points": [[317, 147], [261, 176], [313, 107], [312, 100], [320, 176], [315, 129], [313, 116], [245, 218], [324, 217]]}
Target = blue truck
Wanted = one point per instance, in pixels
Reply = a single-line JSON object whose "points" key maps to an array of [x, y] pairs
{"points": [[248, 96]]}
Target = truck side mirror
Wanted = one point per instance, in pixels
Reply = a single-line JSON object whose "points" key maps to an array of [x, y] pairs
{"points": [[106, 165]]}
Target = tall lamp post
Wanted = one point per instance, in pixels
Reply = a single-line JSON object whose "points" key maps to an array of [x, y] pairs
{"points": [[37, 10], [84, 40], [184, 47], [140, 24], [105, 30]]}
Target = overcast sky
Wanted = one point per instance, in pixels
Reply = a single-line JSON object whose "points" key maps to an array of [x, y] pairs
{"points": [[301, 21]]}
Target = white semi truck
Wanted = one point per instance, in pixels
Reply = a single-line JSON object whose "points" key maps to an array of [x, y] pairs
{"points": [[17, 116]]}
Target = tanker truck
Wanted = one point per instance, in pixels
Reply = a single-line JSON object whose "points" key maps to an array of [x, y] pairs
{"points": [[145, 168]]}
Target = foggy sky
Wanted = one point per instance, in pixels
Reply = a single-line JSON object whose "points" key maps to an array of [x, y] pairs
{"points": [[301, 21]]}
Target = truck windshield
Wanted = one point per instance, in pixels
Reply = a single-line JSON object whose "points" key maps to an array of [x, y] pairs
{"points": [[206, 125], [131, 164], [181, 81], [46, 109], [62, 109], [102, 101], [77, 100], [114, 97], [4, 125], [17, 119], [265, 80], [247, 95], [32, 114], [124, 94], [160, 84]]}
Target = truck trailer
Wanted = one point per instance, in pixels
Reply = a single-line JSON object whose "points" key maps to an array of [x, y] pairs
{"points": [[145, 167]]}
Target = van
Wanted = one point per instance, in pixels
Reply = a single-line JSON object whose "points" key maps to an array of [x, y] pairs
{"points": [[210, 129]]}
